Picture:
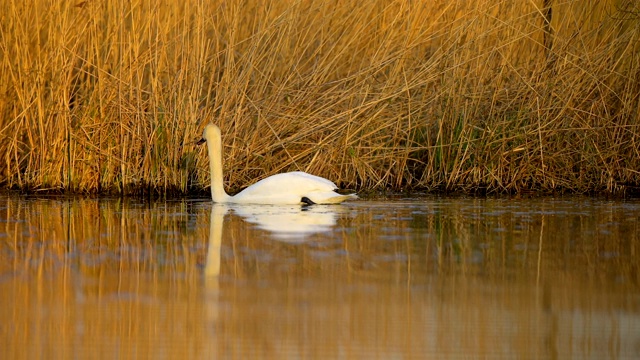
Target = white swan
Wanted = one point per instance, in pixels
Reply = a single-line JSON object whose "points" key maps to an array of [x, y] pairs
{"points": [[282, 189]]}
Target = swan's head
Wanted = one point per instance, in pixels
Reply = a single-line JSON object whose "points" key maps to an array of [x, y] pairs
{"points": [[210, 132]]}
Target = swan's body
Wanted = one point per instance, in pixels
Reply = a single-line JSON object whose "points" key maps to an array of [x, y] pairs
{"points": [[282, 189]]}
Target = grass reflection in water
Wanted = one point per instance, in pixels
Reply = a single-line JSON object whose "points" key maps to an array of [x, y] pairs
{"points": [[189, 279]]}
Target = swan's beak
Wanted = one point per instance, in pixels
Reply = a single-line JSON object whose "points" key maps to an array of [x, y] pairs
{"points": [[201, 141]]}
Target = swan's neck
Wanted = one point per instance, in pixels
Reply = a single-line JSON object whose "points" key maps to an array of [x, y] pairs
{"points": [[215, 166]]}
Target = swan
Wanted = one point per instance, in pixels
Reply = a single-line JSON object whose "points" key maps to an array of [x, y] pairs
{"points": [[290, 188]]}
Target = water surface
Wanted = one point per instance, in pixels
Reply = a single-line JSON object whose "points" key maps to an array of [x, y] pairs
{"points": [[389, 279]]}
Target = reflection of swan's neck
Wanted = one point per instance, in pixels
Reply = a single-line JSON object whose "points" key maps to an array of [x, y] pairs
{"points": [[212, 267], [214, 146]]}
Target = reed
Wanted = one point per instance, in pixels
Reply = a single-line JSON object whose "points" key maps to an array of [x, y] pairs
{"points": [[440, 95]]}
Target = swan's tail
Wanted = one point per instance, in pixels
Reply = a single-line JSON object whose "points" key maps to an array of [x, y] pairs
{"points": [[336, 199]]}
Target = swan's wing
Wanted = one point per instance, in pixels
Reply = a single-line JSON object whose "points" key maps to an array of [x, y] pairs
{"points": [[317, 180], [287, 188]]}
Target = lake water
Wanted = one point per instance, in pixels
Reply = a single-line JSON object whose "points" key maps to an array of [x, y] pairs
{"points": [[430, 277]]}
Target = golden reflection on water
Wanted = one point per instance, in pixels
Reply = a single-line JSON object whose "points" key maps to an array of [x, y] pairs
{"points": [[426, 278]]}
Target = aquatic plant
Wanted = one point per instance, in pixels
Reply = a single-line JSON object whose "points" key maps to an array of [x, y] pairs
{"points": [[441, 95]]}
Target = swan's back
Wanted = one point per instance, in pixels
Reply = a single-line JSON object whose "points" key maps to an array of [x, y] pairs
{"points": [[291, 188]]}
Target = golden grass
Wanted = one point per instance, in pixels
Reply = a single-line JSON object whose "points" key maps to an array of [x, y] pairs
{"points": [[108, 96]]}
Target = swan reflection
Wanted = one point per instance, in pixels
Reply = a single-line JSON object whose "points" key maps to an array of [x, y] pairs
{"points": [[212, 267], [290, 223]]}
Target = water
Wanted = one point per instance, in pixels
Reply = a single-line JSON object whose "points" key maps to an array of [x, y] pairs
{"points": [[388, 279]]}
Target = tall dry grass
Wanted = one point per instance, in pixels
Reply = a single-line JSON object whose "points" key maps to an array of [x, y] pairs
{"points": [[441, 95]]}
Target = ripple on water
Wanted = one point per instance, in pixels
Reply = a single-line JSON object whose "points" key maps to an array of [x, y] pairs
{"points": [[451, 277]]}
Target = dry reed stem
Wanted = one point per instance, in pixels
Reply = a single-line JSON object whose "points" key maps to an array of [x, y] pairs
{"points": [[458, 96]]}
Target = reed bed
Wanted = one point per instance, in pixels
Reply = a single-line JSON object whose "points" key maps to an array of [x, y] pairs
{"points": [[471, 96]]}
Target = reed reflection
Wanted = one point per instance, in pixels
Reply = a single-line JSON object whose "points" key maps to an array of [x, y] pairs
{"points": [[191, 279]]}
